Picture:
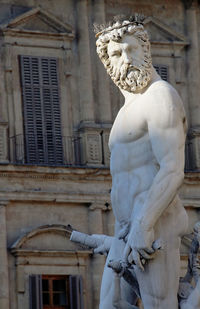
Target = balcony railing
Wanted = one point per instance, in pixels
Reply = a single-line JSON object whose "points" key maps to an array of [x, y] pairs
{"points": [[57, 150], [51, 150]]}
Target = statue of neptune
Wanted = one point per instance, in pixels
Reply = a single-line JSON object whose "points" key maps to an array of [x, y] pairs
{"points": [[147, 166]]}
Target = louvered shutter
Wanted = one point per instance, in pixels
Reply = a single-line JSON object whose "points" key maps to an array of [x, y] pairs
{"points": [[35, 292], [162, 70], [41, 110], [76, 292]]}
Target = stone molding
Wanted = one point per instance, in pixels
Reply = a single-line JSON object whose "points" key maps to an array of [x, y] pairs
{"points": [[167, 47], [56, 228], [53, 173], [27, 34], [66, 198], [64, 230], [100, 206], [50, 253], [61, 261], [17, 26], [4, 203], [176, 39]]}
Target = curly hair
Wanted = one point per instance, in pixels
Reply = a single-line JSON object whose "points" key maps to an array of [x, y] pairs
{"points": [[119, 30], [116, 33]]}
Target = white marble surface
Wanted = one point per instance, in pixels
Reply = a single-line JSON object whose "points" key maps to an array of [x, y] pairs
{"points": [[147, 166]]}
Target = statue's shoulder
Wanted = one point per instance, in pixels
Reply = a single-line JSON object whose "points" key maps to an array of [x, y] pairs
{"points": [[161, 87], [164, 102]]}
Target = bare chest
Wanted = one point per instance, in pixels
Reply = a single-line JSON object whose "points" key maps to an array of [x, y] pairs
{"points": [[129, 126]]}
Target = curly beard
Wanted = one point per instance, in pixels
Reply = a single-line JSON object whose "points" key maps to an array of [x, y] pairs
{"points": [[132, 78]]}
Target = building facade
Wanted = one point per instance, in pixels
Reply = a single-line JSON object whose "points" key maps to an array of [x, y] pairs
{"points": [[57, 106]]}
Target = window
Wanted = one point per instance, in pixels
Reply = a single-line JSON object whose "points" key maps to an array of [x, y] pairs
{"points": [[41, 110], [55, 292], [162, 70]]}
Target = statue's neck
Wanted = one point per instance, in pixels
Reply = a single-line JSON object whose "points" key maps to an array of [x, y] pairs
{"points": [[130, 96]]}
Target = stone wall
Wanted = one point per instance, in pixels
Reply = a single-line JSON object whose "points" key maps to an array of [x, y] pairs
{"points": [[38, 202]]}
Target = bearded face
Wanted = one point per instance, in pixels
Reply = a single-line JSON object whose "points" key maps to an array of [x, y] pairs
{"points": [[130, 64], [132, 78]]}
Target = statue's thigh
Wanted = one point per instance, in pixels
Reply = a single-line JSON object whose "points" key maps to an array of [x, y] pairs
{"points": [[160, 279]]}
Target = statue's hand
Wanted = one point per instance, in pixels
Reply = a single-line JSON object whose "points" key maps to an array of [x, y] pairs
{"points": [[139, 246], [103, 245]]}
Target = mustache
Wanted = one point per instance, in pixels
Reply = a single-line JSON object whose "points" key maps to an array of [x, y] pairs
{"points": [[129, 73], [129, 70]]}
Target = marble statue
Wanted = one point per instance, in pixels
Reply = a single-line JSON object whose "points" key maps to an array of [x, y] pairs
{"points": [[147, 167]]}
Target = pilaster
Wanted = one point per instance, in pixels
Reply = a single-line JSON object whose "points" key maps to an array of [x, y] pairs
{"points": [[102, 85], [96, 227], [85, 76], [194, 148], [4, 286], [193, 75], [193, 62]]}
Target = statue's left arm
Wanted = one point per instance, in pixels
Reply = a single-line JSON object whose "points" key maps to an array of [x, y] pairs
{"points": [[166, 128]]}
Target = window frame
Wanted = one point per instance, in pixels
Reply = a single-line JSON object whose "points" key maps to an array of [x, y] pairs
{"points": [[50, 278], [43, 145], [37, 46]]}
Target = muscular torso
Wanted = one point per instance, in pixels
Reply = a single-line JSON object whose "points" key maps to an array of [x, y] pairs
{"points": [[133, 164]]}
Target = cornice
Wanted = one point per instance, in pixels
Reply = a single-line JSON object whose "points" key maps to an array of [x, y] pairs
{"points": [[50, 253], [54, 173], [192, 178], [67, 173], [47, 197], [173, 43], [42, 35]]}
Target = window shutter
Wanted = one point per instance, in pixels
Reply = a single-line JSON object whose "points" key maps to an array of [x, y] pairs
{"points": [[162, 70], [76, 292], [35, 292], [41, 110]]}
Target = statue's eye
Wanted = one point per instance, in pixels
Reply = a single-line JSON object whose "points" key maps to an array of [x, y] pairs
{"points": [[132, 48], [116, 54]]}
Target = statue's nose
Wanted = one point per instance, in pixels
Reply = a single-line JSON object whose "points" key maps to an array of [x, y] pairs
{"points": [[127, 59]]}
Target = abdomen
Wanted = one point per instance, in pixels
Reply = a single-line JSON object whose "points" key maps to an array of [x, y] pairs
{"points": [[127, 187]]}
